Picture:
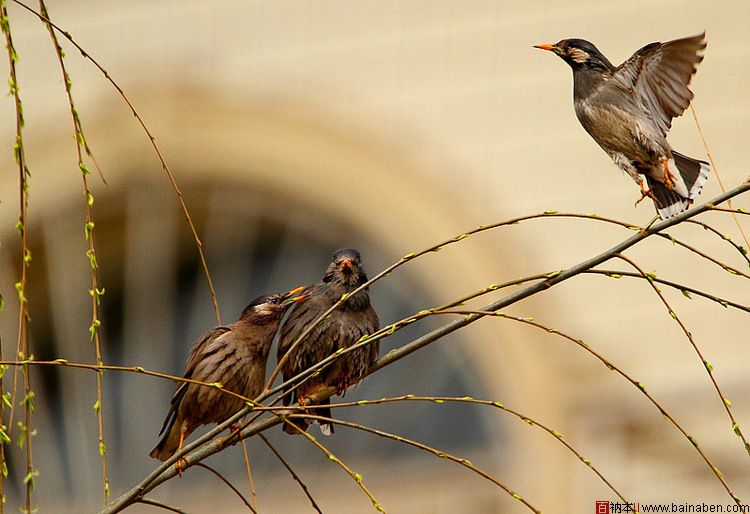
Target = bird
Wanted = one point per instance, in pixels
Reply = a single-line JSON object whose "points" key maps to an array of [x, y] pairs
{"points": [[234, 356], [341, 329], [628, 111]]}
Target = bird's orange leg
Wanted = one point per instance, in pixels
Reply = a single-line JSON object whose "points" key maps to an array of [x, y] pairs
{"points": [[645, 193], [179, 464], [667, 175]]}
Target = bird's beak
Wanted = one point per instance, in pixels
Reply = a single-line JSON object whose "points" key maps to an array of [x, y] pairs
{"points": [[289, 297], [347, 265], [546, 46]]}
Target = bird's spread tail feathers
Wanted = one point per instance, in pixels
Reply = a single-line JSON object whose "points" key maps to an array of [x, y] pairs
{"points": [[694, 173], [667, 201]]}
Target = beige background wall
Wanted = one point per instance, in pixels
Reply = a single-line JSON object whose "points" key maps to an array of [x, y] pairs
{"points": [[411, 122]]}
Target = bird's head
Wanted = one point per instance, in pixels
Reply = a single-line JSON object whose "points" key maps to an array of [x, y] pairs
{"points": [[271, 307], [579, 54], [346, 268]]}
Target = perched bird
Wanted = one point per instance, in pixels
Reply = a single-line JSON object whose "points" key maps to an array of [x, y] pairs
{"points": [[233, 355], [339, 330], [628, 110]]}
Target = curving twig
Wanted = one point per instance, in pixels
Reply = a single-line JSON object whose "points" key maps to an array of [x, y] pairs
{"points": [[291, 472], [228, 484], [707, 365], [152, 140], [434, 451]]}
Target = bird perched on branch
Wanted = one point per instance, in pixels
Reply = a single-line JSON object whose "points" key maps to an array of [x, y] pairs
{"points": [[628, 110], [234, 356], [341, 329]]}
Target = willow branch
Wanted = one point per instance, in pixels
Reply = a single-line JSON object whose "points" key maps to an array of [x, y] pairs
{"points": [[706, 365], [291, 472], [152, 140], [228, 484]]}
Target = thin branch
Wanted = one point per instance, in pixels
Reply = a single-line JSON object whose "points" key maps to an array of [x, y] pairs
{"points": [[716, 171], [152, 140], [707, 365], [740, 249], [249, 474], [685, 290], [291, 472], [744, 212], [22, 346], [355, 476], [228, 484], [439, 453], [488, 403], [96, 291], [161, 505]]}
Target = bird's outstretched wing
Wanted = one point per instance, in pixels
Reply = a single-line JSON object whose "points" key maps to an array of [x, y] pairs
{"points": [[659, 75]]}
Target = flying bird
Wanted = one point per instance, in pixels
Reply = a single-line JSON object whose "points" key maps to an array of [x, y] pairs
{"points": [[234, 356], [341, 329], [628, 110]]}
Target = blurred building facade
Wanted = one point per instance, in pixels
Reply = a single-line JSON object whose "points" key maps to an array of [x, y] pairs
{"points": [[295, 128]]}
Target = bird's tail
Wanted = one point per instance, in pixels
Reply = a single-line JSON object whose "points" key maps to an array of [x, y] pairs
{"points": [[168, 444], [694, 173], [291, 423], [326, 428], [667, 201], [171, 430]]}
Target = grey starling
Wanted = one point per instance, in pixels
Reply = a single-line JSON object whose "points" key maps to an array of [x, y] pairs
{"points": [[233, 355], [628, 110], [341, 329]]}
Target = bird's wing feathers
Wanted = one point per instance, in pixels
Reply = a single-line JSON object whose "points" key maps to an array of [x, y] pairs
{"points": [[659, 75]]}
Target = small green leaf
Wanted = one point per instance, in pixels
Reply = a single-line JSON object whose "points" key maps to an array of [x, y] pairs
{"points": [[88, 229], [102, 449], [4, 437], [92, 259], [727, 402], [28, 400], [685, 293], [736, 429]]}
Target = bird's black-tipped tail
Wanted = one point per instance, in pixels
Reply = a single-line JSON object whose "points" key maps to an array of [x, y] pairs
{"points": [[171, 430], [694, 173], [325, 427], [693, 176], [667, 201], [167, 445]]}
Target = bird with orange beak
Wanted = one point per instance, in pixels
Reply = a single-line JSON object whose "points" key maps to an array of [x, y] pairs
{"points": [[628, 110], [341, 329]]}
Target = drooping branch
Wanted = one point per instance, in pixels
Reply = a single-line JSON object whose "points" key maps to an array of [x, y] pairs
{"points": [[206, 445]]}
